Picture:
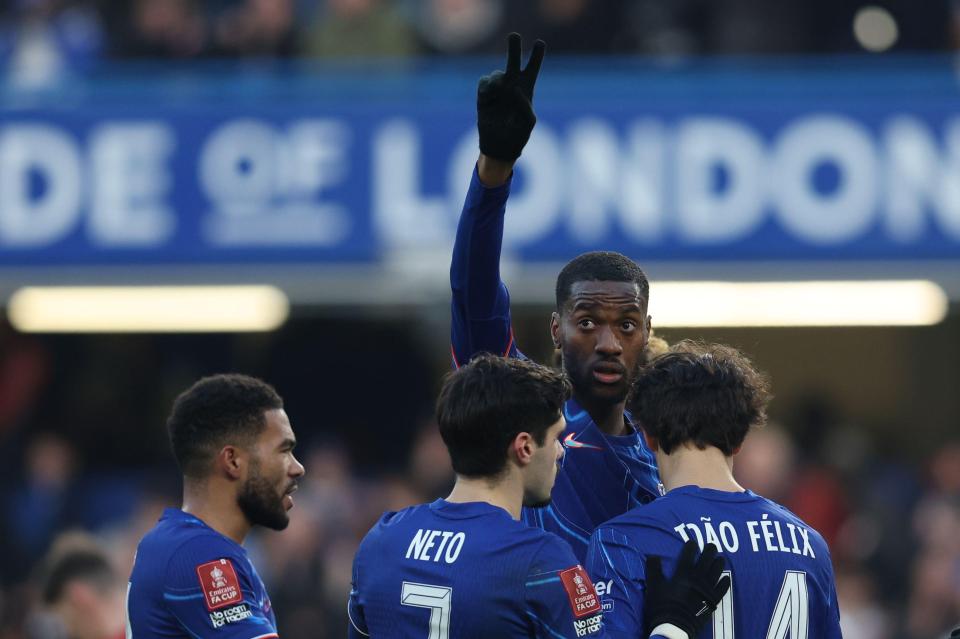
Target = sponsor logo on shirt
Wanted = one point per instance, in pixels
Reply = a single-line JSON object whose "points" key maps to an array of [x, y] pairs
{"points": [[570, 442], [588, 626], [219, 583], [580, 591], [220, 618]]}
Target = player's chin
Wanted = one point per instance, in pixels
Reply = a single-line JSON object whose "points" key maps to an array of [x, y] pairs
{"points": [[609, 393], [539, 499], [279, 521]]}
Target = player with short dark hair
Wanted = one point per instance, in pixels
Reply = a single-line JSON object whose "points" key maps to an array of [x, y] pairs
{"points": [[464, 566], [600, 325], [481, 410], [192, 577], [696, 405]]}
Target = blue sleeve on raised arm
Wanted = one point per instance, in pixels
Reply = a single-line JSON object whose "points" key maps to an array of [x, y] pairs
{"points": [[480, 308]]}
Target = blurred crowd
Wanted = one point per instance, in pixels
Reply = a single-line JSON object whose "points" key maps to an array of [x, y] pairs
{"points": [[41, 38], [85, 472]]}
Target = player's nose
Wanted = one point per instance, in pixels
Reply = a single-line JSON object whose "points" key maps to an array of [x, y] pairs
{"points": [[607, 342], [297, 469]]}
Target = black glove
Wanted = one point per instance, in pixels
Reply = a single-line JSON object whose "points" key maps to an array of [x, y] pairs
{"points": [[955, 634], [505, 114], [686, 599]]}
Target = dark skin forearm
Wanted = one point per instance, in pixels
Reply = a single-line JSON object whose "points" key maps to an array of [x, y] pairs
{"points": [[493, 172]]}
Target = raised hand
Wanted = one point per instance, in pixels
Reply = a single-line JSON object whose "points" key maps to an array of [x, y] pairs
{"points": [[687, 599], [505, 114]]}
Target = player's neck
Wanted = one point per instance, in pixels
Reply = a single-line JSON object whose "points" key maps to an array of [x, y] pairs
{"points": [[608, 417], [505, 493], [690, 466], [212, 507]]}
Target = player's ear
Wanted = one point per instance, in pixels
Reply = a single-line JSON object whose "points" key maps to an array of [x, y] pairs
{"points": [[555, 329], [523, 448], [230, 461]]}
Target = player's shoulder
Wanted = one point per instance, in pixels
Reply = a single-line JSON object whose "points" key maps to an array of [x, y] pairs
{"points": [[651, 522], [178, 535], [393, 519], [391, 523], [786, 514], [543, 552], [660, 513], [181, 549]]}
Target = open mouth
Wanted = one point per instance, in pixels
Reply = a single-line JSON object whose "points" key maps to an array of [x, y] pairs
{"points": [[288, 496], [608, 373]]}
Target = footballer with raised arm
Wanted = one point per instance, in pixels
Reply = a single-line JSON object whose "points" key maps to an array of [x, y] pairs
{"points": [[600, 325], [192, 577], [695, 405], [465, 567]]}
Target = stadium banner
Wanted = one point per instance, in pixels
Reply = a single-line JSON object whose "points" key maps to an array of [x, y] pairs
{"points": [[830, 162]]}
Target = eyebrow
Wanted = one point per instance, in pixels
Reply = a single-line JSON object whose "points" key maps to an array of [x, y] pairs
{"points": [[589, 304]]}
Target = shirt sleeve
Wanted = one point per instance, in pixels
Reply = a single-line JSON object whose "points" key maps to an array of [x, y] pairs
{"points": [[358, 623], [617, 569], [212, 590], [559, 595], [480, 308]]}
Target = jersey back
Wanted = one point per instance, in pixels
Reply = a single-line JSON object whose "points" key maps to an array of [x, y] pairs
{"points": [[458, 571], [190, 581], [781, 575]]}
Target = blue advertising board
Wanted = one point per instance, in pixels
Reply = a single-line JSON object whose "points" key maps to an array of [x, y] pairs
{"points": [[832, 160]]}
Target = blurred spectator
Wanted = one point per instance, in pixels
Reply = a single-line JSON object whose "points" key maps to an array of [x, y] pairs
{"points": [[430, 471], [161, 29], [41, 40], [766, 463], [262, 28], [955, 25], [934, 605], [82, 593], [862, 616], [23, 370], [42, 503], [574, 26], [461, 26], [359, 29]]}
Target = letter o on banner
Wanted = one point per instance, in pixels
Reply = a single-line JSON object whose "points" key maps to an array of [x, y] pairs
{"points": [[825, 218]]}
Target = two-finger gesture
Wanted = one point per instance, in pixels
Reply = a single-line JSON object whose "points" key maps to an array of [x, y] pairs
{"points": [[505, 114]]}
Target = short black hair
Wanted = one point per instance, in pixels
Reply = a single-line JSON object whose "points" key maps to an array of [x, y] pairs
{"points": [[214, 412], [707, 394], [485, 404], [88, 565], [600, 266]]}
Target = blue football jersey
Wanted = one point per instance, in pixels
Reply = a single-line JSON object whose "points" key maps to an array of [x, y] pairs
{"points": [[190, 581], [601, 476], [457, 571], [781, 575]]}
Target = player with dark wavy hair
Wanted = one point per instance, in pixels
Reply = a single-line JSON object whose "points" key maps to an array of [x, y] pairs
{"points": [[696, 405], [600, 326], [464, 567], [192, 577]]}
